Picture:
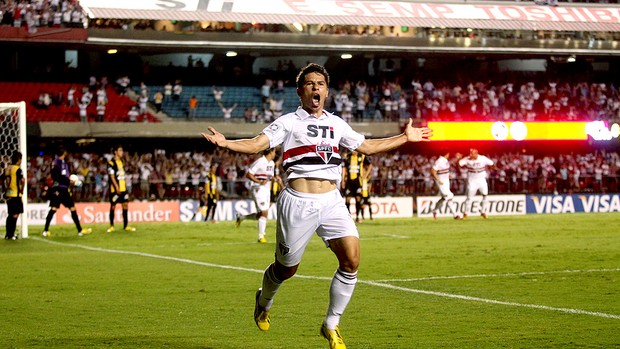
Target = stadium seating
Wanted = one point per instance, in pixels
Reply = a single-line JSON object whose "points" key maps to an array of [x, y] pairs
{"points": [[117, 106], [243, 96]]}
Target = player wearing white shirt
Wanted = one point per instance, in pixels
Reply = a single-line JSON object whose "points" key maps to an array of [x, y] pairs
{"points": [[259, 177], [311, 139], [441, 174], [476, 165]]}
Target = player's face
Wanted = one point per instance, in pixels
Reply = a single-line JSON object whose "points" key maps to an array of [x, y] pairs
{"points": [[313, 93], [473, 153], [119, 153]]}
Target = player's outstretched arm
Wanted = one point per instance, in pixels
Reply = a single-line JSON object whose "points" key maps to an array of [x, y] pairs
{"points": [[411, 134], [247, 145]]}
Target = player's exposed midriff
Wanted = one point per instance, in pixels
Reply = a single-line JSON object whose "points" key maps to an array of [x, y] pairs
{"points": [[312, 185]]}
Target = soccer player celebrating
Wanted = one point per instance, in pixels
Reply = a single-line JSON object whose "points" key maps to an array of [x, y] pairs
{"points": [[311, 140], [441, 174], [13, 181], [260, 174], [476, 165], [117, 187], [60, 193]]}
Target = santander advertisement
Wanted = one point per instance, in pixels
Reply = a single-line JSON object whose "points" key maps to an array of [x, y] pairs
{"points": [[99, 212]]}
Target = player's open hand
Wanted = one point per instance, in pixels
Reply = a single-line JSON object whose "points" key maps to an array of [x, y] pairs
{"points": [[215, 137], [415, 134]]}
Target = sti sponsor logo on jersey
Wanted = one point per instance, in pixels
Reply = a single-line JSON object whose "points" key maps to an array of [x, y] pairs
{"points": [[320, 131], [323, 149]]}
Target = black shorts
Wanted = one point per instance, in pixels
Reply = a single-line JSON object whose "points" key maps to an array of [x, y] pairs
{"points": [[15, 206], [365, 200], [119, 198], [211, 201], [353, 187], [58, 196]]}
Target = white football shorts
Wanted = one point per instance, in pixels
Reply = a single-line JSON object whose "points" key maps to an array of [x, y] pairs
{"points": [[444, 190], [262, 197], [475, 185], [302, 214]]}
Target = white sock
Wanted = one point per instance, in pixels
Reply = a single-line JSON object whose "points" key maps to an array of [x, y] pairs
{"points": [[449, 206], [262, 226], [466, 206], [269, 288], [483, 204], [438, 205], [340, 293]]}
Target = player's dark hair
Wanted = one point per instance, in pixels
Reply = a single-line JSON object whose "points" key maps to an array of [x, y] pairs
{"points": [[311, 68], [116, 147], [15, 157]]}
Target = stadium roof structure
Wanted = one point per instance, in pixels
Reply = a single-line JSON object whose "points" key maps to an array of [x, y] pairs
{"points": [[498, 15]]}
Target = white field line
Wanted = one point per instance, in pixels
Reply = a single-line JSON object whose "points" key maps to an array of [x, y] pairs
{"points": [[500, 275], [492, 301], [372, 283]]}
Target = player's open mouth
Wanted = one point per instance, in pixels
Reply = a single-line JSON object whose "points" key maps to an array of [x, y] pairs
{"points": [[316, 99]]}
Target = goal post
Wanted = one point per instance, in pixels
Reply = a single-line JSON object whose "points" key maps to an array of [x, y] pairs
{"points": [[13, 138]]}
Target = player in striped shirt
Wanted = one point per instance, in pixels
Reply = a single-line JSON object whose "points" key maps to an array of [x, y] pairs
{"points": [[476, 165], [311, 140], [259, 175], [13, 182], [441, 174]]}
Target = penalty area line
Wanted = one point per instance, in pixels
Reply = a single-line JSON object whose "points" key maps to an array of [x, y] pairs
{"points": [[473, 276], [150, 255], [491, 301], [371, 283]]}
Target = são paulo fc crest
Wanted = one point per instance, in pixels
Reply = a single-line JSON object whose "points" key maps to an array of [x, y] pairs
{"points": [[325, 151]]}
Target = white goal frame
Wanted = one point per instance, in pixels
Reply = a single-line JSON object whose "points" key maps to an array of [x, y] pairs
{"points": [[21, 107]]}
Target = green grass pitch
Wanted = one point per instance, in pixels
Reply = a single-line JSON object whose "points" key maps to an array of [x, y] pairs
{"points": [[540, 281]]}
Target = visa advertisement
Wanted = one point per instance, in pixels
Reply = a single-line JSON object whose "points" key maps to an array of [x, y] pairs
{"points": [[590, 203]]}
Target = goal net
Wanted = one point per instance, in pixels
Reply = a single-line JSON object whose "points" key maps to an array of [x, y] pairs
{"points": [[13, 138]]}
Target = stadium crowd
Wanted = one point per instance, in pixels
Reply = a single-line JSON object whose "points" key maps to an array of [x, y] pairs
{"points": [[162, 175], [526, 100], [543, 99], [32, 14]]}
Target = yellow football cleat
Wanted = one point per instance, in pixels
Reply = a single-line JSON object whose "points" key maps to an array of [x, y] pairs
{"points": [[46, 233], [110, 229], [238, 220], [261, 316], [128, 228], [262, 240], [85, 231], [334, 337]]}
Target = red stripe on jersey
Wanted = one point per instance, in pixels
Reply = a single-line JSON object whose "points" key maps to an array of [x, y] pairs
{"points": [[306, 149]]}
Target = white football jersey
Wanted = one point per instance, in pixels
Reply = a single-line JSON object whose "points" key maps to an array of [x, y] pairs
{"points": [[442, 167], [311, 145], [262, 169], [477, 168]]}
